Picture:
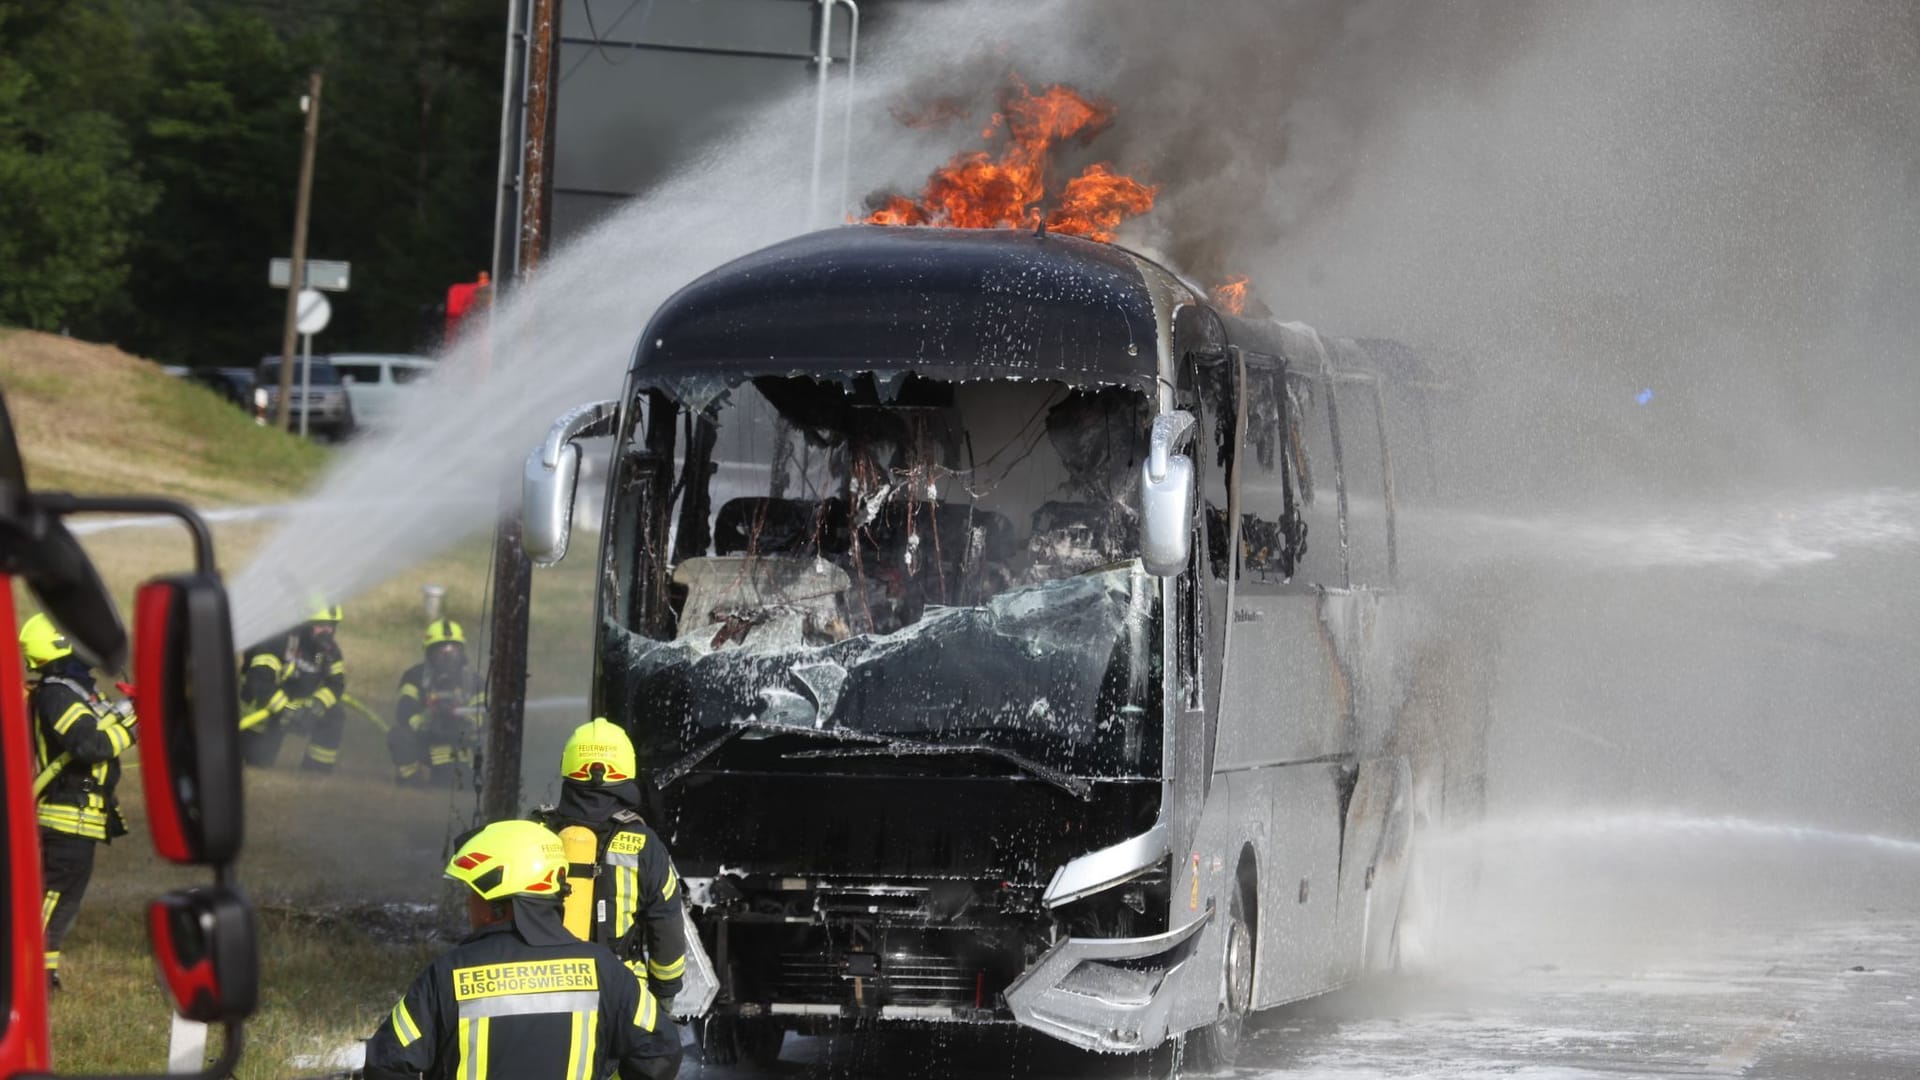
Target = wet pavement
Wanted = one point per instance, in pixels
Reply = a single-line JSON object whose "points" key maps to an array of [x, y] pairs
{"points": [[1826, 996]]}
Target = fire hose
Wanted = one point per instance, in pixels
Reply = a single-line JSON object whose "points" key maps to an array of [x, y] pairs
{"points": [[280, 703]]}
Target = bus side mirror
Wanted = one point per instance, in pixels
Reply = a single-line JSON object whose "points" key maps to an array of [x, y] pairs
{"points": [[204, 945], [1166, 496], [552, 477], [186, 696], [546, 494]]}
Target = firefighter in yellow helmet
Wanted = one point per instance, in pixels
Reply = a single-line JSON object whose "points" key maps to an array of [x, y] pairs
{"points": [[295, 680], [521, 998], [78, 738], [436, 723], [637, 911]]}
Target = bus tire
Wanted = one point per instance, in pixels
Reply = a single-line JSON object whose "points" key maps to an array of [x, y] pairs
{"points": [[1217, 1045]]}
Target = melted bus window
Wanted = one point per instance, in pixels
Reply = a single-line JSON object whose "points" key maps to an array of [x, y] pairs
{"points": [[952, 564], [1364, 469], [1311, 440], [1271, 530]]}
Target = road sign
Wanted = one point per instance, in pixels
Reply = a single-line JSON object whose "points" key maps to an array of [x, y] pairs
{"points": [[313, 311], [321, 274]]}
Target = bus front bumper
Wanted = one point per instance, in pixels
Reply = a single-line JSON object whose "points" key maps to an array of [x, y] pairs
{"points": [[1105, 994]]}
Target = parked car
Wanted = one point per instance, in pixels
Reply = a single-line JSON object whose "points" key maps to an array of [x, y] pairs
{"points": [[235, 384], [378, 384], [325, 402]]}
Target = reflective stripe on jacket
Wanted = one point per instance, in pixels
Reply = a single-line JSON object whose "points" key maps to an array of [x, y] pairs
{"points": [[637, 902], [435, 713], [497, 1007], [79, 798]]}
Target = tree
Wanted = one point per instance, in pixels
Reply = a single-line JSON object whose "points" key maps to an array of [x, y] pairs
{"points": [[70, 194], [409, 148], [148, 150], [220, 139]]}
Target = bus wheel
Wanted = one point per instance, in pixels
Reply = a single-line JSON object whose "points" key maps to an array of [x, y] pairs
{"points": [[1217, 1045]]}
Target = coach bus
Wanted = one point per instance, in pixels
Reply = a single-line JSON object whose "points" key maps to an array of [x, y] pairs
{"points": [[1010, 635]]}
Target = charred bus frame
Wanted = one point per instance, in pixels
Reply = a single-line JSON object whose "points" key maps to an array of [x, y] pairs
{"points": [[1150, 773]]}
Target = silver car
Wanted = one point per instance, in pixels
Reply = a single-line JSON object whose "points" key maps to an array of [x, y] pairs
{"points": [[324, 401], [379, 384]]}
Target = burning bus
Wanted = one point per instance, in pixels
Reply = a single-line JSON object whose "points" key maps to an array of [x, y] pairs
{"points": [[1010, 636]]}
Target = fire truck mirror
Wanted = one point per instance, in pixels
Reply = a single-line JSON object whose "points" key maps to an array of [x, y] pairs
{"points": [[186, 697], [70, 589], [206, 952], [35, 545]]}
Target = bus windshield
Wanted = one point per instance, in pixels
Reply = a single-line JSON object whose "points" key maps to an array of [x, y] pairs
{"points": [[909, 573]]}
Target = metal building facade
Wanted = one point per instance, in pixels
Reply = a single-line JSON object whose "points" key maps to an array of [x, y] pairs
{"points": [[642, 85]]}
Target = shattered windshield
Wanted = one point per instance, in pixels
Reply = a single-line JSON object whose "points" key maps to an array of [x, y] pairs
{"points": [[885, 573]]}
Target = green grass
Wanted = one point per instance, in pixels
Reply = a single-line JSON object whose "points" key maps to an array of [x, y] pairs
{"points": [[324, 979], [92, 419], [344, 869], [327, 858]]}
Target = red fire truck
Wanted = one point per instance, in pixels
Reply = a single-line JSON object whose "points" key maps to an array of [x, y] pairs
{"points": [[183, 667]]}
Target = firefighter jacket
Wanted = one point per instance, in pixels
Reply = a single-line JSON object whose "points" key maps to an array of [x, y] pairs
{"points": [[637, 908], [496, 1006], [443, 713], [296, 670], [78, 741]]}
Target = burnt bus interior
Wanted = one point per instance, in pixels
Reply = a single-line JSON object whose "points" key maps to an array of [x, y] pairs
{"points": [[895, 627]]}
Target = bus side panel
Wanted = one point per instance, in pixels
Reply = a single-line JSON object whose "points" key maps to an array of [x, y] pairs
{"points": [[1299, 871], [1284, 697], [23, 998], [1372, 863]]}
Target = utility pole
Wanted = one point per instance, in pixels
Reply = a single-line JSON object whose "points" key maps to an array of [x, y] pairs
{"points": [[512, 572], [298, 279]]}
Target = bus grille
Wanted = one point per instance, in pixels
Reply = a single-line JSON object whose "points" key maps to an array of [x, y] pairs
{"points": [[897, 979]]}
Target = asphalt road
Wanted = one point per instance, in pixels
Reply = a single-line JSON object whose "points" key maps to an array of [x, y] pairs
{"points": [[1664, 969]]}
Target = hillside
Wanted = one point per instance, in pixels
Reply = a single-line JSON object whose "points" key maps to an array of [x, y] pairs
{"points": [[91, 418]]}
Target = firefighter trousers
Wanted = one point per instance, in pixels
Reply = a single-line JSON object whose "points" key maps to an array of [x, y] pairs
{"points": [[66, 865], [260, 746]]}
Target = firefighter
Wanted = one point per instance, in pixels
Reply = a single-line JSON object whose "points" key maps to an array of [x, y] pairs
{"points": [[521, 998], [637, 909], [78, 740], [436, 723], [295, 680]]}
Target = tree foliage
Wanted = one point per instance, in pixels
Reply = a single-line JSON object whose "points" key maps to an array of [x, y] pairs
{"points": [[149, 151], [70, 199]]}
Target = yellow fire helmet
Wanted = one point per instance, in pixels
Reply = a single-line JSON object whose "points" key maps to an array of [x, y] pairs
{"points": [[440, 630], [326, 613], [44, 643], [602, 743], [512, 858]]}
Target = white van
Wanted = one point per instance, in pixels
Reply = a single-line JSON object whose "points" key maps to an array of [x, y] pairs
{"points": [[379, 383]]}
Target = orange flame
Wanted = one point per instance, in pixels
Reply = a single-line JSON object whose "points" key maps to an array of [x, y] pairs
{"points": [[1231, 294], [979, 190]]}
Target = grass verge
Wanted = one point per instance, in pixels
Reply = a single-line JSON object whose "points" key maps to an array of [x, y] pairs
{"points": [[345, 868], [92, 419]]}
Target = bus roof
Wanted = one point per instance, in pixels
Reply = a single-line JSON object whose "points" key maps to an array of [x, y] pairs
{"points": [[952, 303]]}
